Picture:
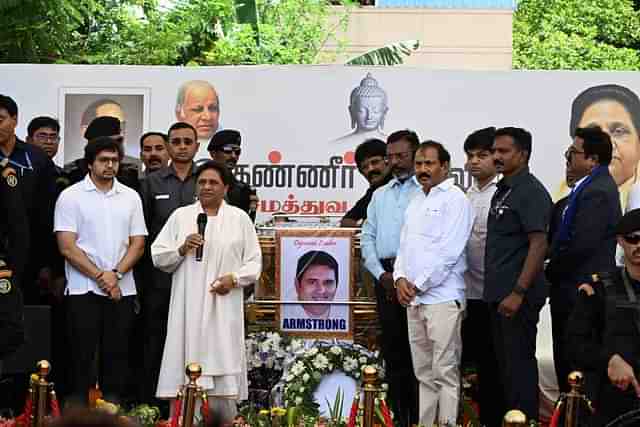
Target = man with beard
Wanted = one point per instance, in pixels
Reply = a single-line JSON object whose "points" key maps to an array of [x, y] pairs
{"points": [[129, 168], [370, 159], [224, 148], [164, 191], [153, 151], [379, 244], [99, 225], [514, 282]]}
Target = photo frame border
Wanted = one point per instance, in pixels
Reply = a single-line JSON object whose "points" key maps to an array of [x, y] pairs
{"points": [[63, 91], [306, 232]]}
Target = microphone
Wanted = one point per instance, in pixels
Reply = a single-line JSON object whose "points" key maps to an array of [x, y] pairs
{"points": [[202, 224]]}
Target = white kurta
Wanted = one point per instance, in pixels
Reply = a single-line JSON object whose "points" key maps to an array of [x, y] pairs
{"points": [[204, 327]]}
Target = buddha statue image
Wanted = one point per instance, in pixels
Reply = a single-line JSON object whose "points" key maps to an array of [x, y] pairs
{"points": [[367, 108]]}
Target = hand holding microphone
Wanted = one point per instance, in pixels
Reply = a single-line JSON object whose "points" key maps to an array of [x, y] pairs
{"points": [[195, 241]]}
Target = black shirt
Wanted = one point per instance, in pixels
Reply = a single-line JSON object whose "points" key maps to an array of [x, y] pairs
{"points": [[520, 205], [600, 326], [359, 210], [162, 193], [35, 173], [239, 195], [14, 247]]}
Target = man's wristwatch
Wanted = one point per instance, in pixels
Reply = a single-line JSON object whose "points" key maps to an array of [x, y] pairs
{"points": [[119, 275], [234, 280], [519, 290]]}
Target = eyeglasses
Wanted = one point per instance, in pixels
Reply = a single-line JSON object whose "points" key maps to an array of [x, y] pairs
{"points": [[44, 137], [400, 156], [570, 152], [231, 150], [632, 239]]}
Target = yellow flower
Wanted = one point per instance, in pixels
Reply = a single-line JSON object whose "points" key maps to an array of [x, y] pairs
{"points": [[263, 412], [278, 412], [107, 407]]}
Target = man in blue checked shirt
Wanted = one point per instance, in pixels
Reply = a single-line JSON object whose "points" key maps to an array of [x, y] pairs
{"points": [[379, 244]]}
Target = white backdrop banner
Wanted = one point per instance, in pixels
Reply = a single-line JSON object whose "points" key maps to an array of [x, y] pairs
{"points": [[301, 124]]}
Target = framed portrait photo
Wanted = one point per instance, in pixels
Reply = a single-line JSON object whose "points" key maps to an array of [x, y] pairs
{"points": [[78, 106], [314, 281]]}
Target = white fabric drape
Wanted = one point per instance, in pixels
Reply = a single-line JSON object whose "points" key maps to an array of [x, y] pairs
{"points": [[204, 327]]}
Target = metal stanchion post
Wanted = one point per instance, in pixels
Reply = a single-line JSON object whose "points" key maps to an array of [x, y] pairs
{"points": [[40, 394], [369, 378], [191, 392], [574, 399], [514, 418]]}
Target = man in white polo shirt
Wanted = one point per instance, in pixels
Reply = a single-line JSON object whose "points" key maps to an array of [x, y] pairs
{"points": [[429, 279], [100, 229]]}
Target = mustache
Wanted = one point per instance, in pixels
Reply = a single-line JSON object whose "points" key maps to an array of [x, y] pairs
{"points": [[424, 175], [374, 174], [155, 159]]}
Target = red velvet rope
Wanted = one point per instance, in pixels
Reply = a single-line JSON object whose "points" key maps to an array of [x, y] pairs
{"points": [[204, 409], [556, 415], [386, 414], [177, 411], [55, 407], [353, 414], [25, 418]]}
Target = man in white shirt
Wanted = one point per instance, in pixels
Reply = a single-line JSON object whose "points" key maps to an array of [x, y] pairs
{"points": [[477, 344], [100, 229], [429, 281]]}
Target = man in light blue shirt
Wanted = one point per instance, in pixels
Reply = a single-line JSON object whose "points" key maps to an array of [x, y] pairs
{"points": [[379, 245], [429, 276]]}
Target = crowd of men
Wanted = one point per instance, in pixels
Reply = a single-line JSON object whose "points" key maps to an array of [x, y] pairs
{"points": [[99, 252], [460, 279]]}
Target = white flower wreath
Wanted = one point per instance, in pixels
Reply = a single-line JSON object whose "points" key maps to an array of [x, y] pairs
{"points": [[309, 366]]}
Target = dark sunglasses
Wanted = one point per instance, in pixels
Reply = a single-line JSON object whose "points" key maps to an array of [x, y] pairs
{"points": [[632, 239], [232, 150]]}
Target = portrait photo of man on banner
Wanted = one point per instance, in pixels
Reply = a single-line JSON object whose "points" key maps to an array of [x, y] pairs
{"points": [[314, 268]]}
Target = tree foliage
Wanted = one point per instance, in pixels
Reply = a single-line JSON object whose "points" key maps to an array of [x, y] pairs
{"points": [[576, 34], [190, 32], [40, 31]]}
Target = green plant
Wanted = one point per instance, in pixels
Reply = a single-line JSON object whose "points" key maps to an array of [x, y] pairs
{"points": [[391, 54], [576, 35], [335, 410]]}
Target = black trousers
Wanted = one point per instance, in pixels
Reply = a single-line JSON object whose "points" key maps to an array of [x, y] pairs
{"points": [[396, 352], [515, 345], [155, 308], [563, 300], [97, 323], [478, 351]]}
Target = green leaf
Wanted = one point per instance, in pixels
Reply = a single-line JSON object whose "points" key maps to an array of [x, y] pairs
{"points": [[391, 54]]}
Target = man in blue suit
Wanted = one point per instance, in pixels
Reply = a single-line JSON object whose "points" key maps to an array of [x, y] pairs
{"points": [[584, 239]]}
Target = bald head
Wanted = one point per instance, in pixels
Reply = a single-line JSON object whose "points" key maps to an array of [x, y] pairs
{"points": [[198, 104]]}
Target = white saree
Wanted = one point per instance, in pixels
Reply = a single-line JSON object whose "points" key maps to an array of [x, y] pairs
{"points": [[204, 327]]}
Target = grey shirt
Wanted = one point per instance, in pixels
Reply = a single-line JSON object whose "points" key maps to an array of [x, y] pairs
{"points": [[162, 193]]}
